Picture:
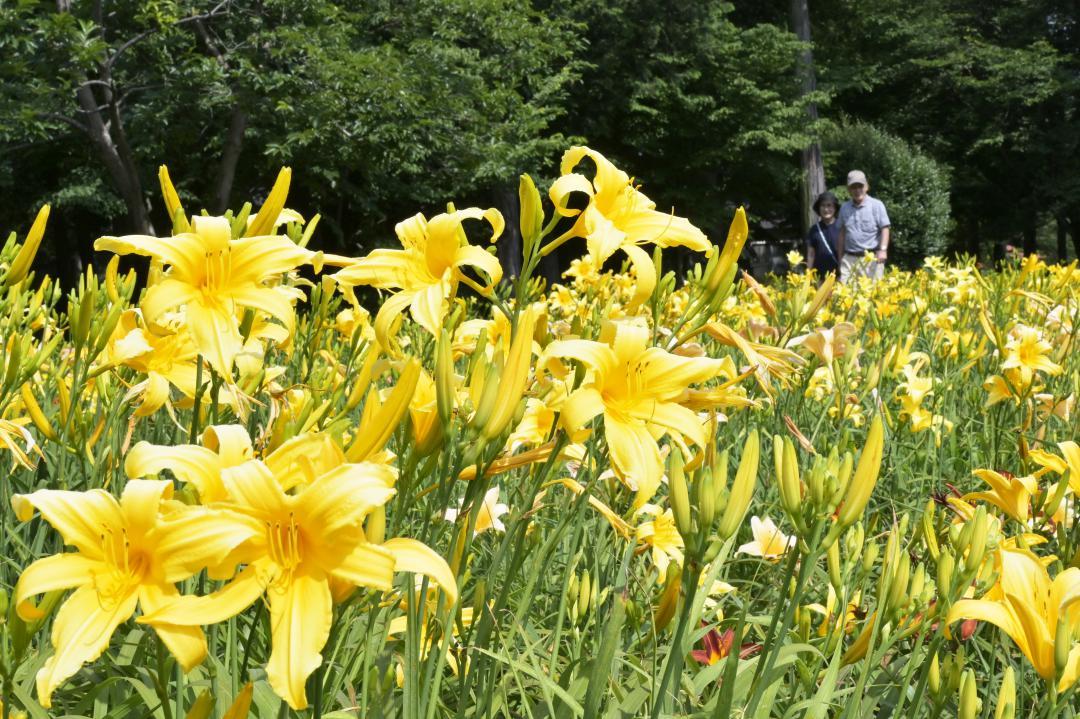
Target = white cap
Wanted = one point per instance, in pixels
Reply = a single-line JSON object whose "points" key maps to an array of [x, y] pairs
{"points": [[856, 177]]}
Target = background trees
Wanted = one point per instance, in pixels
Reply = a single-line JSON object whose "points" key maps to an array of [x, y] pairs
{"points": [[381, 106]]}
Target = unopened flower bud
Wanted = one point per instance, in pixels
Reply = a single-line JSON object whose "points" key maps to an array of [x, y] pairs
{"points": [[870, 556], [933, 677], [969, 698], [742, 489], [1062, 644], [1006, 699], [835, 576], [945, 567]]}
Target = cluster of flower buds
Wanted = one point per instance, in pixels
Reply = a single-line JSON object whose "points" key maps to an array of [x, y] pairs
{"points": [[707, 511]]}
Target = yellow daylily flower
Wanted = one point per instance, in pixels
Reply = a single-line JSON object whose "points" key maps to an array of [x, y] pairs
{"points": [[639, 390], [764, 360], [1027, 605], [1011, 495], [14, 434], [1027, 352], [223, 447], [661, 536], [769, 542], [167, 360], [1009, 385], [130, 553], [427, 272], [618, 217], [827, 344], [489, 516], [310, 539], [213, 278]]}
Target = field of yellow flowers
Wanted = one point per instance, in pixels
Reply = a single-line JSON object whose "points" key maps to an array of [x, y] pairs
{"points": [[230, 491]]}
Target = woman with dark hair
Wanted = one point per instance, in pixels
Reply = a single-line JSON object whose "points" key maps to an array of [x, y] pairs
{"points": [[821, 240]]}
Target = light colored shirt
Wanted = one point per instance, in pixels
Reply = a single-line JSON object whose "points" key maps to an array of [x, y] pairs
{"points": [[863, 224]]}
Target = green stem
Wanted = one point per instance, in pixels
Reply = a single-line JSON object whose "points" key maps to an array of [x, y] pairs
{"points": [[673, 665]]}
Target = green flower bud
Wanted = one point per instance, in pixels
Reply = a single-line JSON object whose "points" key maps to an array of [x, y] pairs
{"points": [[969, 698]]}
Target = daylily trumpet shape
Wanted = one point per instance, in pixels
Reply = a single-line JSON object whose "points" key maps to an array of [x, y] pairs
{"points": [[166, 360], [769, 542], [619, 217], [311, 542], [1027, 605], [827, 344], [639, 390], [1010, 494], [213, 278], [130, 553], [1028, 352], [427, 272]]}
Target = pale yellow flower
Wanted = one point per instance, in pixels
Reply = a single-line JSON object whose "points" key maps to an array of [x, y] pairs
{"points": [[769, 542]]}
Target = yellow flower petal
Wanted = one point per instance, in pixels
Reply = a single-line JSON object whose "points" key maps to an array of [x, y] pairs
{"points": [[216, 334], [413, 556], [263, 224], [580, 408], [60, 571], [186, 643], [81, 632], [635, 455], [80, 517], [301, 611], [230, 600], [198, 538], [367, 565]]}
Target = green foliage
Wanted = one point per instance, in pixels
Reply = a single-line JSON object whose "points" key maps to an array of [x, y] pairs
{"points": [[380, 107], [986, 89], [706, 107], [914, 188]]}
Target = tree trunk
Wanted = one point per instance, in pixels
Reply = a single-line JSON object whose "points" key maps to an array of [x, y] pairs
{"points": [[106, 132], [121, 167], [509, 247], [813, 171], [230, 156], [1074, 228], [1062, 238], [1030, 234]]}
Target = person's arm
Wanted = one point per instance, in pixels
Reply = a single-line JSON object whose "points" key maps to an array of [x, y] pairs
{"points": [[883, 222], [810, 254], [883, 246], [840, 243]]}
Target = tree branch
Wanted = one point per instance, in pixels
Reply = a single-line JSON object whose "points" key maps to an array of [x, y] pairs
{"points": [[222, 8], [65, 119]]}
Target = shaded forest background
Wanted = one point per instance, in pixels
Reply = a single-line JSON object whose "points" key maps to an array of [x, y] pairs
{"points": [[963, 113]]}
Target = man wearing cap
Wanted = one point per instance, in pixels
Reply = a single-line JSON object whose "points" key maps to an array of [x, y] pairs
{"points": [[864, 227]]}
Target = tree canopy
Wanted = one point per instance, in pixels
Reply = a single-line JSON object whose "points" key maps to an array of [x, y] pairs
{"points": [[382, 106]]}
